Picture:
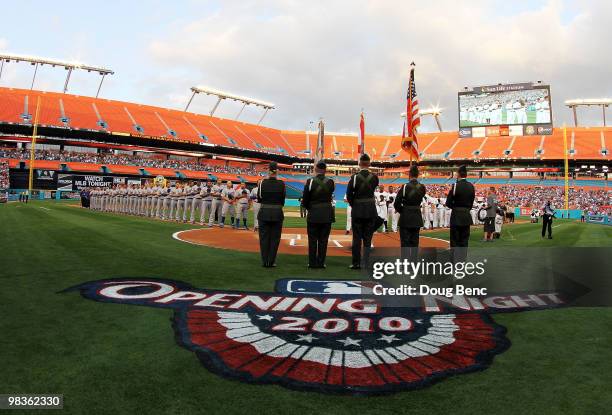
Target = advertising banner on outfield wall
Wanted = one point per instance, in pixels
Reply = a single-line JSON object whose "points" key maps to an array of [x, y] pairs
{"points": [[77, 182]]}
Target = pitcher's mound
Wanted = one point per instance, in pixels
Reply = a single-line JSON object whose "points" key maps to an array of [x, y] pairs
{"points": [[293, 240]]}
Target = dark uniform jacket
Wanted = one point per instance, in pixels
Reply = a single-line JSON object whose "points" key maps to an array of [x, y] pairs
{"points": [[271, 195], [360, 195], [460, 199], [408, 204], [317, 199]]}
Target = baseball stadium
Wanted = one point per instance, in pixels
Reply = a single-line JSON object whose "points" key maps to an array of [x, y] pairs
{"points": [[133, 236]]}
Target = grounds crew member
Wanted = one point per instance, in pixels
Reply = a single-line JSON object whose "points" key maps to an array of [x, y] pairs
{"points": [[408, 204], [317, 200], [217, 202], [271, 195], [360, 196], [460, 199], [548, 213]]}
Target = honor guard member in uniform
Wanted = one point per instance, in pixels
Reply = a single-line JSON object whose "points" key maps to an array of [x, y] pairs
{"points": [[217, 202], [360, 195], [317, 200], [271, 195], [256, 206], [460, 199], [408, 205]]}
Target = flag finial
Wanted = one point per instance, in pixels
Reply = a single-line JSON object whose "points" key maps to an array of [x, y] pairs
{"points": [[412, 64]]}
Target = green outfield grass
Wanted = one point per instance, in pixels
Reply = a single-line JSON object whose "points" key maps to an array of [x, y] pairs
{"points": [[124, 359]]}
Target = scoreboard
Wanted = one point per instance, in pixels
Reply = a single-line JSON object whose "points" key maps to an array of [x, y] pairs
{"points": [[505, 110]]}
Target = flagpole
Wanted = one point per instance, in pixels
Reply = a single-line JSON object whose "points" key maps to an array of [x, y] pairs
{"points": [[33, 147], [410, 95], [566, 168]]}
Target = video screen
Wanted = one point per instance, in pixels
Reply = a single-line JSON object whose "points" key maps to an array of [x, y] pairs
{"points": [[515, 104]]}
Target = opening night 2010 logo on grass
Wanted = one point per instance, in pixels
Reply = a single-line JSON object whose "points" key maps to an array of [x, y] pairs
{"points": [[325, 335]]}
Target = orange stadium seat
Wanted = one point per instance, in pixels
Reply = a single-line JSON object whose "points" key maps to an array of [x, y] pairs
{"points": [[12, 105], [525, 147], [81, 113], [72, 111], [84, 167], [121, 169], [588, 143], [148, 121], [553, 147], [465, 148], [115, 117], [442, 143], [297, 140], [494, 148]]}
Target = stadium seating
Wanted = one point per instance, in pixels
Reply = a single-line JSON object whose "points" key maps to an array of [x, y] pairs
{"points": [[78, 112]]}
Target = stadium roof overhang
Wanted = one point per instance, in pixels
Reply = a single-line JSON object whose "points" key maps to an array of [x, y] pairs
{"points": [[221, 95], [37, 61], [575, 103]]}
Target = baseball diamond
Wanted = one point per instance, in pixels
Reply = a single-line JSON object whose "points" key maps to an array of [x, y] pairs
{"points": [[285, 207]]}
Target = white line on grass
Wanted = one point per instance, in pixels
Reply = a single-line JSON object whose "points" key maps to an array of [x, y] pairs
{"points": [[40, 207], [175, 235]]}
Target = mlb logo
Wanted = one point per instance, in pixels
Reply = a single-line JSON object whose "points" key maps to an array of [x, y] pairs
{"points": [[323, 287]]}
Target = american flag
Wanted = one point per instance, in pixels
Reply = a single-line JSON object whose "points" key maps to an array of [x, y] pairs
{"points": [[409, 138], [361, 141]]}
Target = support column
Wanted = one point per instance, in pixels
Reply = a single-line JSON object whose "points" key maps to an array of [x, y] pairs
{"points": [[34, 77], [215, 107], [68, 79], [100, 86], [190, 99], [263, 116]]}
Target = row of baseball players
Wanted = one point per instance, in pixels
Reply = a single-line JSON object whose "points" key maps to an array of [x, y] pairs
{"points": [[433, 210], [515, 112], [183, 202]]}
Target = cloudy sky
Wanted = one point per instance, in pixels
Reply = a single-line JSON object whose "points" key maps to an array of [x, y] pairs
{"points": [[314, 58]]}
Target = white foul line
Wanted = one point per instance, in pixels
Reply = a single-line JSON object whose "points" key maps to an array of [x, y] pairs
{"points": [[338, 244]]}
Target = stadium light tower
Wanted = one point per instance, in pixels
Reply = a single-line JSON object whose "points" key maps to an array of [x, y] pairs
{"points": [[433, 111], [574, 103], [69, 66], [221, 95]]}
